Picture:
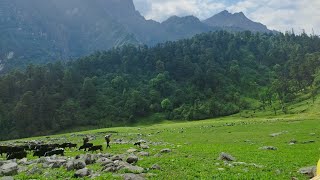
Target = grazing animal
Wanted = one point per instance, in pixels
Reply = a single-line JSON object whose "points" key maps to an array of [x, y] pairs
{"points": [[95, 148], [86, 146], [42, 151], [67, 145], [59, 151], [17, 155], [3, 149], [137, 144]]}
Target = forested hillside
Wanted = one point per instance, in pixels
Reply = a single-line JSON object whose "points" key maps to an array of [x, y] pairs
{"points": [[210, 75]]}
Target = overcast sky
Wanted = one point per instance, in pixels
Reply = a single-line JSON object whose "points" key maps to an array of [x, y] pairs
{"points": [[276, 14]]}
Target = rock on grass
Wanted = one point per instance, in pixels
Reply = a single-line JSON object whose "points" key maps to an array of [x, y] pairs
{"points": [[226, 157]]}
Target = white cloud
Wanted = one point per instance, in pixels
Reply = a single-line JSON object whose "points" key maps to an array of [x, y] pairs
{"points": [[282, 15], [160, 10], [279, 15]]}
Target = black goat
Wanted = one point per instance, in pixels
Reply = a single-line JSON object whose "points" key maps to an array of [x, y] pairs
{"points": [[55, 152], [86, 146], [17, 155], [95, 148], [137, 144]]}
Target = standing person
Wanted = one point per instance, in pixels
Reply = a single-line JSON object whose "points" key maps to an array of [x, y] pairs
{"points": [[85, 140], [107, 138]]}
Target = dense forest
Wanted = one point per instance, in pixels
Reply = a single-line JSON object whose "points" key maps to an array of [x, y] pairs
{"points": [[210, 75]]}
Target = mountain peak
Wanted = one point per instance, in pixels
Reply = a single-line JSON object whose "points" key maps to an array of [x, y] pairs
{"points": [[235, 21]]}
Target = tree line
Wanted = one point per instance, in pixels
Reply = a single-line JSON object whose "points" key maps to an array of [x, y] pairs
{"points": [[210, 75]]}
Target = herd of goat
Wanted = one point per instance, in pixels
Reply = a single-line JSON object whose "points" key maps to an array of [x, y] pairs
{"points": [[21, 151]]}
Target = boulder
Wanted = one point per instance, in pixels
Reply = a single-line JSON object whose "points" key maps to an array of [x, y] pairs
{"points": [[104, 161], [167, 150], [130, 176], [82, 173], [309, 171], [7, 178], [89, 159], [9, 169], [226, 157], [132, 159], [143, 153], [128, 167], [79, 164]]}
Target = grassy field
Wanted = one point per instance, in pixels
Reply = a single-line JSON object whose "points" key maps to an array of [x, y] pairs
{"points": [[196, 147]]}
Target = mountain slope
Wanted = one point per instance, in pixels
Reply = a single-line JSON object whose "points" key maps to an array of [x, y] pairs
{"points": [[225, 19], [37, 31]]}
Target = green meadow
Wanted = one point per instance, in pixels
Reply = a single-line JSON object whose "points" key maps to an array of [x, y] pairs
{"points": [[196, 146]]}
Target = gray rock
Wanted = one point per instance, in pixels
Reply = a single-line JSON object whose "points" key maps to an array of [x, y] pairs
{"points": [[143, 146], [70, 165], [132, 150], [89, 159], [104, 161], [116, 158], [9, 169], [82, 173], [23, 161], [167, 150], [130, 176], [132, 159], [79, 164], [110, 169], [128, 167], [275, 134], [155, 167], [34, 170], [226, 157], [7, 178], [221, 169], [268, 148], [143, 153], [309, 171]]}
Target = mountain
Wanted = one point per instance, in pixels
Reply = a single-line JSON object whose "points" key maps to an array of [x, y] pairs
{"points": [[184, 27], [37, 31], [235, 21]]}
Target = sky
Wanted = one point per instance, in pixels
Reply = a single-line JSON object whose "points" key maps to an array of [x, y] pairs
{"points": [[281, 15]]}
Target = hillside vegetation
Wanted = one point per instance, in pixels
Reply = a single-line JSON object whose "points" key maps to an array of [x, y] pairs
{"points": [[210, 75]]}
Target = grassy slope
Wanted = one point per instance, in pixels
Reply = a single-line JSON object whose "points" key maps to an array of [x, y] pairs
{"points": [[197, 145]]}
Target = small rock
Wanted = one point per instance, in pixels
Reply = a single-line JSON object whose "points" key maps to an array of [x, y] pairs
{"points": [[307, 142], [82, 173], [309, 171], [167, 150], [143, 153], [23, 161], [132, 159], [221, 169], [275, 134], [226, 157], [130, 176], [131, 150], [143, 146], [9, 169], [268, 148], [155, 167]]}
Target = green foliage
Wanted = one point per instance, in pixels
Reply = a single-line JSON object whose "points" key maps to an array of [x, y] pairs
{"points": [[210, 75]]}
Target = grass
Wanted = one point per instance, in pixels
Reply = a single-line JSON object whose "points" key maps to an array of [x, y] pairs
{"points": [[196, 146]]}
